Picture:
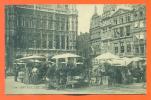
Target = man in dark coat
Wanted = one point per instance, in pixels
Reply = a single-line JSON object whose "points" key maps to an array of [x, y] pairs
{"points": [[16, 70]]}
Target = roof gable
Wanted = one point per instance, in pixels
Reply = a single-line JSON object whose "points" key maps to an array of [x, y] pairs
{"points": [[120, 11]]}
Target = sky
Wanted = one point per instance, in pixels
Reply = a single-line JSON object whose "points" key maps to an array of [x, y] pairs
{"points": [[85, 13]]}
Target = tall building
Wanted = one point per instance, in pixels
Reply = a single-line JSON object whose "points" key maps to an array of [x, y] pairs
{"points": [[100, 30], [139, 30], [121, 31], [83, 46], [122, 39], [94, 32], [106, 27], [40, 29]]}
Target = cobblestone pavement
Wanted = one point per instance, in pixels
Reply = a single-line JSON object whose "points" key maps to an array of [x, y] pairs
{"points": [[20, 88]]}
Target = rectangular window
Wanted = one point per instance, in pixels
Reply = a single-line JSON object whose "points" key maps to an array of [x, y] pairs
{"points": [[67, 42], [122, 47], [128, 47], [62, 26], [121, 31], [67, 26], [50, 24], [128, 18], [63, 42], [38, 44], [127, 30], [116, 48], [141, 13], [39, 23], [136, 49], [121, 20], [57, 42], [44, 24], [116, 33], [44, 44], [33, 23], [37, 40], [57, 25], [142, 49], [115, 21], [50, 42]]}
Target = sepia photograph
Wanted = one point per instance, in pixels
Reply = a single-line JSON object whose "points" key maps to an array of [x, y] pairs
{"points": [[75, 49]]}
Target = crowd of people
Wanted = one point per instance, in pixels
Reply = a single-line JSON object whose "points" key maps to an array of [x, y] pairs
{"points": [[30, 73], [54, 76], [118, 74], [64, 74]]}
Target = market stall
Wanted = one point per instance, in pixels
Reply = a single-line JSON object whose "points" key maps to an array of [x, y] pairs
{"points": [[139, 69], [32, 69], [68, 67], [111, 69]]}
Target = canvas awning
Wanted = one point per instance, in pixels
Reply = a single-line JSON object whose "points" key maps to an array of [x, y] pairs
{"points": [[106, 56], [66, 55], [120, 62], [31, 57], [135, 59]]}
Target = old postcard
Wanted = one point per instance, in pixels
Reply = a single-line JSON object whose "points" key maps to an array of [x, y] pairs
{"points": [[75, 49]]}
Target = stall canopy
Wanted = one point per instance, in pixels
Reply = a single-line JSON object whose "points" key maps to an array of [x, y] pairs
{"points": [[31, 58], [107, 56], [66, 55], [120, 62], [135, 59]]}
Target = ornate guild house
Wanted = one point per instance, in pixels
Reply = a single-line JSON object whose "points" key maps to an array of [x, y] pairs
{"points": [[40, 29], [119, 30]]}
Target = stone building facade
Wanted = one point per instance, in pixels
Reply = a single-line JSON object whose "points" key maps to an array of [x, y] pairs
{"points": [[83, 45], [40, 29], [95, 35], [121, 31]]}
